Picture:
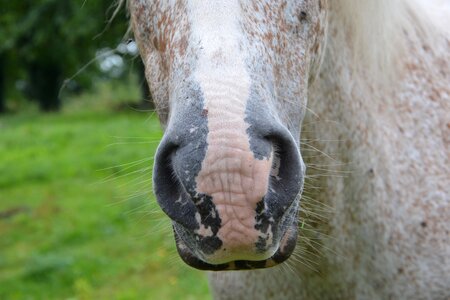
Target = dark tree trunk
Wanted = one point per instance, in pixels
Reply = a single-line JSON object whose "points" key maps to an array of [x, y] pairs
{"points": [[147, 100], [45, 81], [2, 84]]}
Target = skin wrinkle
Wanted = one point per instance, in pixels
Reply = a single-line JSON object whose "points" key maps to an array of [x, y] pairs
{"points": [[237, 222]]}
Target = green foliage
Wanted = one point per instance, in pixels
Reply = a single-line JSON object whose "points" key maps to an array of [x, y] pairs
{"points": [[54, 30], [77, 215], [54, 39]]}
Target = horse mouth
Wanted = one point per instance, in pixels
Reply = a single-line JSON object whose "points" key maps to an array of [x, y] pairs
{"points": [[284, 251]]}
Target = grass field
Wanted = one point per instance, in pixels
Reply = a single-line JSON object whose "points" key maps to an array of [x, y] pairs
{"points": [[77, 216]]}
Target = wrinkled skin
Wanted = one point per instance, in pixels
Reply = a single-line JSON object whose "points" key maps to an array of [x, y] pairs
{"points": [[230, 80]]}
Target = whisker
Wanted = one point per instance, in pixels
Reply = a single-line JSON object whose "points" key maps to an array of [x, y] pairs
{"points": [[131, 164]]}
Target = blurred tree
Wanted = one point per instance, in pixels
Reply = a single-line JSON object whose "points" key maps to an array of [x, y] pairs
{"points": [[44, 41], [2, 84]]}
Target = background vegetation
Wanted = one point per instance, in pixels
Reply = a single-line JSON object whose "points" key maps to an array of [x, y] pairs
{"points": [[44, 43], [77, 216]]}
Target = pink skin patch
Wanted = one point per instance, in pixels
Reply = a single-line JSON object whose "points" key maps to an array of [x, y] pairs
{"points": [[232, 176], [236, 181]]}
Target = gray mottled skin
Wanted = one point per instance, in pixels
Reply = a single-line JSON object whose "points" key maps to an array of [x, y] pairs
{"points": [[378, 221]]}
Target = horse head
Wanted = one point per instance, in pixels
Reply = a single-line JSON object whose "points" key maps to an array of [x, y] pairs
{"points": [[230, 81]]}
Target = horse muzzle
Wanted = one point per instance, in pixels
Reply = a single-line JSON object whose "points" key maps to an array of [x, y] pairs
{"points": [[231, 186]]}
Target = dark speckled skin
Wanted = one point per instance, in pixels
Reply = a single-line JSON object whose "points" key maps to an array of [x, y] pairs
{"points": [[174, 188], [177, 164]]}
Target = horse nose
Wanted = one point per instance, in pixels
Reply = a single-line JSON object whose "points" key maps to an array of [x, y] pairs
{"points": [[179, 161], [228, 189]]}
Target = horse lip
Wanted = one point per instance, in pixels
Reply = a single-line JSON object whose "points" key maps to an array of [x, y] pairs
{"points": [[188, 256]]}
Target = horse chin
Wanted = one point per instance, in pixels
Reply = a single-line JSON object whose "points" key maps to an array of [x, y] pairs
{"points": [[284, 251]]}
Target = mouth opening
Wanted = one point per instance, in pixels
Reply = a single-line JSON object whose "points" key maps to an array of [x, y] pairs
{"points": [[284, 251]]}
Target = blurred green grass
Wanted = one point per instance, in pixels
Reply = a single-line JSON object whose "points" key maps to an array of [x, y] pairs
{"points": [[77, 216]]}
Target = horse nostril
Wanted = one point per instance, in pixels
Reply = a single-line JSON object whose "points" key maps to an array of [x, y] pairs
{"points": [[168, 188], [286, 177]]}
